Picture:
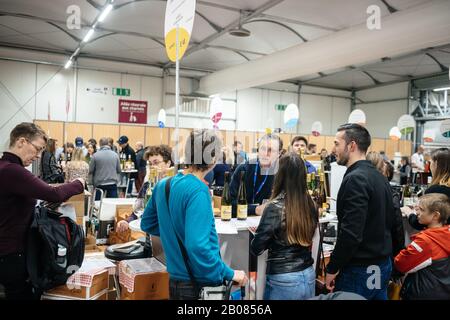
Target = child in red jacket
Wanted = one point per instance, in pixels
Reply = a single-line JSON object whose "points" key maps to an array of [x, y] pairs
{"points": [[426, 260]]}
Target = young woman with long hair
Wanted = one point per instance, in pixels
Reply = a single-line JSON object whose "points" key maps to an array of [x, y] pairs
{"points": [[286, 229], [77, 167]]}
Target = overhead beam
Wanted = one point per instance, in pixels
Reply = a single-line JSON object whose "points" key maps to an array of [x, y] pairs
{"points": [[280, 24], [443, 68], [301, 23], [390, 8], [431, 28]]}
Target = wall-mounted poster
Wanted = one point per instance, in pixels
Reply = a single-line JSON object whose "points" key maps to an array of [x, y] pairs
{"points": [[132, 111]]}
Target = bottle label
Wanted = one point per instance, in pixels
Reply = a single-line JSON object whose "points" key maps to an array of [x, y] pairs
{"points": [[407, 201], [225, 212], [242, 211]]}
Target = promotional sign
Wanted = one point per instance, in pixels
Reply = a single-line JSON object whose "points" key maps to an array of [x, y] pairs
{"points": [[395, 133], [445, 128], [179, 13], [132, 111], [316, 129], [215, 111], [429, 135], [162, 118], [357, 116], [406, 124], [291, 115]]}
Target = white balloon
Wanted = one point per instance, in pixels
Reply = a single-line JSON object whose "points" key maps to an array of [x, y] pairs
{"points": [[316, 128], [395, 133], [357, 116], [291, 115], [429, 135]]}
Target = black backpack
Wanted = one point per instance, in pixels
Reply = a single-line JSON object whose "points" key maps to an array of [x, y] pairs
{"points": [[55, 249]]}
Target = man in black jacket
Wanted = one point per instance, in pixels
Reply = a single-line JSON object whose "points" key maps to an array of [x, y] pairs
{"points": [[360, 262], [129, 155]]}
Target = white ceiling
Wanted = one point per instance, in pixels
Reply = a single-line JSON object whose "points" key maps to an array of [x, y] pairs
{"points": [[137, 27]]}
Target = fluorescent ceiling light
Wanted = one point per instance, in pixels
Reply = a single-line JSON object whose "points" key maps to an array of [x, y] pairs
{"points": [[441, 89], [88, 35], [105, 12], [68, 64]]}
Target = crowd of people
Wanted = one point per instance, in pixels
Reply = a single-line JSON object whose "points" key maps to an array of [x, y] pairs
{"points": [[370, 246]]}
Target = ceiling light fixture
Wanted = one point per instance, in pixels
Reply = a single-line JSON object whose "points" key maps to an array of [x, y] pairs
{"points": [[105, 12], [239, 31], [441, 89], [88, 35], [68, 64]]}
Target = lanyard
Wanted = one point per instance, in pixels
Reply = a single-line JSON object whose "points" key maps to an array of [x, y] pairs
{"points": [[254, 181]]}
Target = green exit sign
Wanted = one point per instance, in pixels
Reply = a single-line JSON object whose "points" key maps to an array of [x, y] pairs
{"points": [[121, 92], [280, 107]]}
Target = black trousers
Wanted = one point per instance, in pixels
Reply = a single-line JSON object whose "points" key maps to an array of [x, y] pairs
{"points": [[14, 277]]}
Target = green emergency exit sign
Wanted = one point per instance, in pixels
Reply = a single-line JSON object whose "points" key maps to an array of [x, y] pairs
{"points": [[121, 92], [280, 107]]}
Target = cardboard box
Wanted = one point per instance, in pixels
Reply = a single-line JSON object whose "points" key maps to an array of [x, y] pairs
{"points": [[147, 278], [97, 291], [123, 211], [150, 286], [80, 203]]}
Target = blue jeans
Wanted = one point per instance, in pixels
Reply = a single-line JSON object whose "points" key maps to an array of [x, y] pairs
{"points": [[371, 282], [298, 285], [110, 191]]}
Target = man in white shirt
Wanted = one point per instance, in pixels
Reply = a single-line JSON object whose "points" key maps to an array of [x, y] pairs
{"points": [[417, 161]]}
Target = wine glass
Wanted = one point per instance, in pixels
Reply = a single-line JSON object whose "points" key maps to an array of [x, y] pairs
{"points": [[139, 207]]}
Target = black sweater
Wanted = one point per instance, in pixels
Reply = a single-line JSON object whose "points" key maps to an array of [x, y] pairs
{"points": [[365, 217]]}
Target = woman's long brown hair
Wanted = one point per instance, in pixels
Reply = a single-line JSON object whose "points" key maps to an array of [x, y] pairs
{"points": [[299, 207], [441, 175]]}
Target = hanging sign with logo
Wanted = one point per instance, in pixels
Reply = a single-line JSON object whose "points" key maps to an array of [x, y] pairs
{"points": [[429, 135], [291, 115], [179, 13], [216, 111], [445, 128], [162, 118], [132, 111]]}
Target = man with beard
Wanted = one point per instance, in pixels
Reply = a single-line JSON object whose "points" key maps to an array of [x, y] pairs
{"points": [[360, 262]]}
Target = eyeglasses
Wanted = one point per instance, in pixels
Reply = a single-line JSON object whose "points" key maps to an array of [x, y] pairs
{"points": [[37, 148]]}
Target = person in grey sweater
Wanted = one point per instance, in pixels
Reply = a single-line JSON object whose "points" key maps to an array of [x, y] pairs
{"points": [[104, 169]]}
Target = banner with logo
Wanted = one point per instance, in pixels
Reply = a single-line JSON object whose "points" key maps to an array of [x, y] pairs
{"points": [[132, 111]]}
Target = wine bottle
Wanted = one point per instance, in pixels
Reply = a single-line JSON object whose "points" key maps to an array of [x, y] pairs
{"points": [[225, 209], [407, 200], [242, 199]]}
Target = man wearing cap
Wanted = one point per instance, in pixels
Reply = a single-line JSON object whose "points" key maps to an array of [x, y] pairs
{"points": [[79, 144], [129, 154]]}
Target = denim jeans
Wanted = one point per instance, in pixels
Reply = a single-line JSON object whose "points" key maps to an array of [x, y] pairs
{"points": [[110, 191], [369, 281], [13, 276], [182, 290], [298, 285]]}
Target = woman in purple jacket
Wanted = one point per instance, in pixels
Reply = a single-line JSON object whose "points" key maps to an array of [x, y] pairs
{"points": [[19, 189]]}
